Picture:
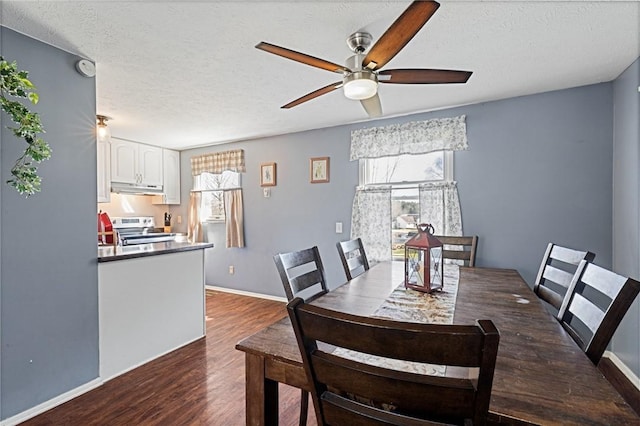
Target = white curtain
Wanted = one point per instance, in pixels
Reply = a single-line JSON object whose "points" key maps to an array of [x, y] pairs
{"points": [[440, 206], [415, 137], [216, 163], [439, 202], [194, 227], [371, 221], [234, 214]]}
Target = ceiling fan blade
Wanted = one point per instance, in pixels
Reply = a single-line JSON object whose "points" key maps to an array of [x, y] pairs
{"points": [[399, 33], [423, 76], [301, 57], [372, 106], [323, 91]]}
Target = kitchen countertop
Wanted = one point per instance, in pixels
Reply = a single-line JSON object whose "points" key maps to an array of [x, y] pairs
{"points": [[111, 253]]}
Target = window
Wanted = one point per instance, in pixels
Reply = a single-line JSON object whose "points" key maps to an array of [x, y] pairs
{"points": [[404, 173], [407, 168], [212, 187]]}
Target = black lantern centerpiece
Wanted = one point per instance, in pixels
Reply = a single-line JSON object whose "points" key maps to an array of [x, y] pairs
{"points": [[423, 261]]}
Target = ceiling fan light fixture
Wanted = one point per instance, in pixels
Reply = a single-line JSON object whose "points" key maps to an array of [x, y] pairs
{"points": [[360, 85]]}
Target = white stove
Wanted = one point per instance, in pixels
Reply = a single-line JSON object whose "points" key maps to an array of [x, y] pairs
{"points": [[139, 230]]}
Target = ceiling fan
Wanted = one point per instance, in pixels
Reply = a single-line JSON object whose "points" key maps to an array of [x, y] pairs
{"points": [[361, 75]]}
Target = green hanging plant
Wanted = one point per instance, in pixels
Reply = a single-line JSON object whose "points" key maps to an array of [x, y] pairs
{"points": [[15, 83]]}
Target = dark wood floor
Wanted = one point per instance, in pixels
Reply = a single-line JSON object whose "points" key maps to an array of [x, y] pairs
{"points": [[199, 384]]}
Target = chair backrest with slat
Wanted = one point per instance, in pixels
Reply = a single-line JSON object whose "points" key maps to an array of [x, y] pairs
{"points": [[353, 257], [597, 301], [556, 271], [301, 272], [466, 250], [349, 390]]}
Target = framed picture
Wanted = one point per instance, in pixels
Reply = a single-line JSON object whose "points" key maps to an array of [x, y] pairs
{"points": [[268, 174], [319, 169]]}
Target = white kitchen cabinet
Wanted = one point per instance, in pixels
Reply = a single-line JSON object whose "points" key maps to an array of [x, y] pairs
{"points": [[150, 164], [104, 171], [124, 156], [171, 178], [135, 163]]}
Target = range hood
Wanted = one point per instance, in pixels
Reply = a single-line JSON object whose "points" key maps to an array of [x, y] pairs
{"points": [[132, 188]]}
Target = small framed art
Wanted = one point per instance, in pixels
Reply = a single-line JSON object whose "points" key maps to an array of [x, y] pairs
{"points": [[319, 169], [268, 174]]}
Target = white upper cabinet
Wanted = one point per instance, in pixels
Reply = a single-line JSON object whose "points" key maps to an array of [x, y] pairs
{"points": [[150, 165], [171, 176], [124, 160], [104, 171], [171, 163], [136, 163]]}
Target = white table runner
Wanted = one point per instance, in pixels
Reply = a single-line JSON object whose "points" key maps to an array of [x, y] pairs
{"points": [[414, 306]]}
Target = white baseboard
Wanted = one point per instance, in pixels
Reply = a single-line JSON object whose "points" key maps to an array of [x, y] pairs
{"points": [[245, 293], [53, 402], [635, 380]]}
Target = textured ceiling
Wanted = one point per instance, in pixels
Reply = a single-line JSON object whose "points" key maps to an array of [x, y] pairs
{"points": [[184, 74]]}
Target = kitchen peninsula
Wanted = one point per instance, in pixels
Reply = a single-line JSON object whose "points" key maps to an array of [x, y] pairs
{"points": [[110, 253], [151, 302]]}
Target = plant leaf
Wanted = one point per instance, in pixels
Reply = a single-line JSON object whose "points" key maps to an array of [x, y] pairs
{"points": [[15, 83]]}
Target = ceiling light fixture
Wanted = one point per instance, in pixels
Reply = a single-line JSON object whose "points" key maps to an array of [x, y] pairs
{"points": [[360, 85], [103, 132]]}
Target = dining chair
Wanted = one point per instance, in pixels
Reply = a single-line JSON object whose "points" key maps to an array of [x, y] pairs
{"points": [[353, 257], [302, 274], [556, 271], [466, 251], [348, 390], [597, 300]]}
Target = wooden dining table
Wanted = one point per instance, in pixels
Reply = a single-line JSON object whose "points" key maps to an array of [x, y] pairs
{"points": [[541, 377]]}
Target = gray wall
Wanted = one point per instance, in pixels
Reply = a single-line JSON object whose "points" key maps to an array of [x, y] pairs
{"points": [[298, 214], [539, 169], [49, 275], [626, 205]]}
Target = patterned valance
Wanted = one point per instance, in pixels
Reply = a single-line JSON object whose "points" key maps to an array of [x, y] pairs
{"points": [[218, 162], [416, 137]]}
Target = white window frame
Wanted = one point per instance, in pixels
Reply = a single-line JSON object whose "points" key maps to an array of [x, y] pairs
{"points": [[448, 172], [204, 204], [447, 177]]}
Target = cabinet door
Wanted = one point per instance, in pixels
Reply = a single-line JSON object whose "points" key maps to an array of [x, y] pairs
{"points": [[124, 161], [150, 165], [171, 165], [104, 172]]}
